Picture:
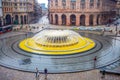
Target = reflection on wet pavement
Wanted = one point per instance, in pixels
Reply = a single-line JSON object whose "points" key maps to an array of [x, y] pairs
{"points": [[107, 52]]}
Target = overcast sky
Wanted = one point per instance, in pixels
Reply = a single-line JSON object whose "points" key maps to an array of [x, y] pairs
{"points": [[43, 1]]}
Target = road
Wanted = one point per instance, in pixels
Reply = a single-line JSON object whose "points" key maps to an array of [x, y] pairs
{"points": [[43, 20]]}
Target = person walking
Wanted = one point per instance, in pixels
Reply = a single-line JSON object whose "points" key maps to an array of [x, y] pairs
{"points": [[45, 72], [103, 74], [37, 74], [95, 60]]}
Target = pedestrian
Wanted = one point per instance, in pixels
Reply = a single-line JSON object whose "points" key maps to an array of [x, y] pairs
{"points": [[45, 72], [95, 59], [103, 73], [37, 74]]}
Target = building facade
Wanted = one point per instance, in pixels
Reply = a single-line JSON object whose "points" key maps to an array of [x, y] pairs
{"points": [[81, 12], [1, 14], [17, 11], [118, 7], [37, 10], [44, 9]]}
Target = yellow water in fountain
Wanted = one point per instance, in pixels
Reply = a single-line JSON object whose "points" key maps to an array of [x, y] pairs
{"points": [[79, 45]]}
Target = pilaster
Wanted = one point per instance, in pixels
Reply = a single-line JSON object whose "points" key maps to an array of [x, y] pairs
{"points": [[77, 20], [67, 20], [87, 20]]}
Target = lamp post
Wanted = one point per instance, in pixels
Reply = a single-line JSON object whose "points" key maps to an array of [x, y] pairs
{"points": [[116, 29]]}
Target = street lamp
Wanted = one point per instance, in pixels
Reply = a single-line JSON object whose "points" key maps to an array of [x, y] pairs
{"points": [[116, 24]]}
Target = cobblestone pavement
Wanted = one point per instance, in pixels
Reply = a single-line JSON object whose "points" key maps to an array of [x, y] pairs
{"points": [[8, 74]]}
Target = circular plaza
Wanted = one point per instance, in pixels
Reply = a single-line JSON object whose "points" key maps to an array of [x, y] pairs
{"points": [[106, 49]]}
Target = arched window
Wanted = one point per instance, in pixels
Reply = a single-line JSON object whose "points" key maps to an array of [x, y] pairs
{"points": [[25, 19], [21, 19], [82, 4], [56, 2], [91, 3], [56, 19], [51, 2], [63, 19], [73, 4], [16, 19], [98, 19], [98, 3], [63, 3], [91, 20], [82, 20], [8, 19], [73, 19]]}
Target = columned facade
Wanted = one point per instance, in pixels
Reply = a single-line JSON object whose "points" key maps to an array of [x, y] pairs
{"points": [[81, 12], [17, 11]]}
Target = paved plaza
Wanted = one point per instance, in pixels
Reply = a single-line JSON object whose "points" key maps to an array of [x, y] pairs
{"points": [[19, 64]]}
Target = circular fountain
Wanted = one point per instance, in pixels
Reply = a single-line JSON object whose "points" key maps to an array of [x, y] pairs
{"points": [[57, 42]]}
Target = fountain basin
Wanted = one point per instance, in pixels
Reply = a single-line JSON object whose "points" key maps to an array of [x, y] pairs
{"points": [[57, 42]]}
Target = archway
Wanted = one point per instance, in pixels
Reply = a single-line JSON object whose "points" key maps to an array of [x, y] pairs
{"points": [[51, 21], [56, 19], [82, 20], [21, 19], [25, 19], [98, 19], [91, 20], [63, 19], [8, 19], [16, 19], [73, 19]]}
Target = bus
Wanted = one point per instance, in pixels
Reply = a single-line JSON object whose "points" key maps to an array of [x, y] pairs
{"points": [[5, 29]]}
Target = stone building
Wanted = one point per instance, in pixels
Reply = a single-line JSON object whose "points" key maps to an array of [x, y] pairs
{"points": [[17, 11], [1, 14], [37, 10], [81, 12], [118, 7]]}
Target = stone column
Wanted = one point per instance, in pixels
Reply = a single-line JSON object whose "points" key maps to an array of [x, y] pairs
{"points": [[27, 19], [95, 20], [59, 19], [50, 18], [77, 20], [2, 22], [99, 20], [19, 18], [23, 19], [87, 20], [68, 19], [53, 19]]}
